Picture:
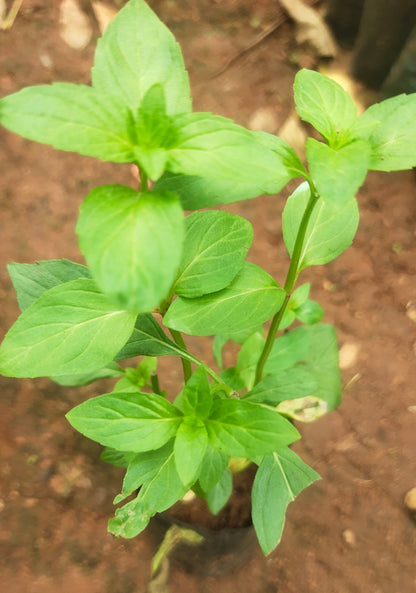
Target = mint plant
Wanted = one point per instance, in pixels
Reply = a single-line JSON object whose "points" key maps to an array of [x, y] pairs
{"points": [[154, 274]]}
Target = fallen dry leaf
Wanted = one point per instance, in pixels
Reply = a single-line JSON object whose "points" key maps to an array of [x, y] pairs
{"points": [[74, 26], [311, 28]]}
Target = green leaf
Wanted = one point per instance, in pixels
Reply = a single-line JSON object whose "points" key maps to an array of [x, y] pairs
{"points": [[323, 103], [248, 358], [189, 448], [156, 132], [132, 243], [196, 398], [155, 496], [288, 349], [321, 360], [71, 329], [216, 244], [70, 117], [213, 467], [130, 520], [217, 497], [117, 458], [136, 52], [338, 174], [208, 143], [246, 164], [252, 298], [127, 421], [110, 371], [289, 384], [330, 231], [279, 479], [148, 339], [135, 379], [390, 129], [32, 280], [309, 312], [143, 467], [243, 429], [288, 156]]}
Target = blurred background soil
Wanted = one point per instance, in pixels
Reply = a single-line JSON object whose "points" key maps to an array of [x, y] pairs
{"points": [[349, 532]]}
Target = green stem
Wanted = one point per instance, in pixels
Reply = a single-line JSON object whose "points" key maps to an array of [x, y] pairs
{"points": [[186, 365], [291, 278], [144, 185], [155, 383]]}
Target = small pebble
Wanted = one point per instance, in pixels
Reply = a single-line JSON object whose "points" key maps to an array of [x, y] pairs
{"points": [[410, 500], [349, 537]]}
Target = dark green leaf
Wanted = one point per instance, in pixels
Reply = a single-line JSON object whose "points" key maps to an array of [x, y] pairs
{"points": [[32, 280], [321, 360], [71, 329], [132, 243], [219, 494], [289, 384], [252, 298], [213, 467], [279, 479], [216, 244], [148, 339], [127, 421], [243, 429], [117, 458], [155, 496], [111, 370], [330, 231], [288, 349]]}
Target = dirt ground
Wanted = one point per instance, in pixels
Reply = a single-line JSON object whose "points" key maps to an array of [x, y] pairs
{"points": [[349, 532]]}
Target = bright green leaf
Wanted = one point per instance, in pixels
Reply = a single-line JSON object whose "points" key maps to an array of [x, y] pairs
{"points": [[390, 129], [279, 479], [252, 298], [190, 445], [338, 174], [71, 329], [136, 52], [142, 468], [248, 358], [215, 246], [309, 312], [323, 103], [132, 243], [196, 398], [127, 421], [70, 117], [32, 280], [330, 231], [243, 429]]}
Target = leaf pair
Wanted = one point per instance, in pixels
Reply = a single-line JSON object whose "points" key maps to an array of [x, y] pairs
{"points": [[379, 139]]}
